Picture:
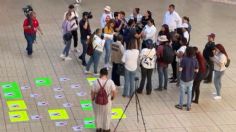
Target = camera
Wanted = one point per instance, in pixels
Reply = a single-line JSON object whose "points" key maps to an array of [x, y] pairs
{"points": [[138, 28], [88, 14], [27, 10]]}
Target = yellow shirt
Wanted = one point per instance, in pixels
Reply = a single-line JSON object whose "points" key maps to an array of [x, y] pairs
{"points": [[108, 31]]}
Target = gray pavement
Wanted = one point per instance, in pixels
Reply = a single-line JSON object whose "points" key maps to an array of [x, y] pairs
{"points": [[158, 108]]}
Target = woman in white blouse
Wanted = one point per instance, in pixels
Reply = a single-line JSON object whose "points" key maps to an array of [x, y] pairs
{"points": [[220, 59]]}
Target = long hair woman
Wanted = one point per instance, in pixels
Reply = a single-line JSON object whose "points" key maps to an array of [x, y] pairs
{"points": [[220, 60]]}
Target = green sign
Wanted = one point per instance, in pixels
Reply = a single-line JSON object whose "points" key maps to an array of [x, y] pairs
{"points": [[86, 105], [89, 123], [39, 82]]}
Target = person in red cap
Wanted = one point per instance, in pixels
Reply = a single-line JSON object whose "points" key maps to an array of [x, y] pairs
{"points": [[207, 53]]}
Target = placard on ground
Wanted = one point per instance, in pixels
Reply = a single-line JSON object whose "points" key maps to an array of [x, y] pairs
{"points": [[86, 105], [58, 114], [39, 82], [18, 116], [117, 113], [16, 105], [89, 123], [91, 80]]}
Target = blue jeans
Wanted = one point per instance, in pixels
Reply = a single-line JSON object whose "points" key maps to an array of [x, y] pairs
{"points": [[129, 83], [94, 59], [162, 74], [185, 86], [30, 38], [108, 50], [85, 47], [217, 81], [67, 47]]}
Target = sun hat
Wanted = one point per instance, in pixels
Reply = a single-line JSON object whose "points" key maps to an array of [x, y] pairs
{"points": [[162, 38], [107, 8]]}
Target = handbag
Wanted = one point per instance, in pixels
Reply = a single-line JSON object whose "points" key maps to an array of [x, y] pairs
{"points": [[120, 69]]}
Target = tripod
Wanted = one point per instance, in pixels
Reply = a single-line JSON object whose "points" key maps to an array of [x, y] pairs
{"points": [[138, 107]]}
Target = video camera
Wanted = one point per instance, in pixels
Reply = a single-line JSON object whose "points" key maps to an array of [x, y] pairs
{"points": [[88, 14]]}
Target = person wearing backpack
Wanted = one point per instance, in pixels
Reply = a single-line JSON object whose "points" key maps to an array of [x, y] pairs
{"points": [[98, 44], [102, 95], [165, 56], [219, 59], [148, 60]]}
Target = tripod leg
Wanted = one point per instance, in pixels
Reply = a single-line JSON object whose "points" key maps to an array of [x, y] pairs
{"points": [[136, 104], [124, 112], [141, 112]]}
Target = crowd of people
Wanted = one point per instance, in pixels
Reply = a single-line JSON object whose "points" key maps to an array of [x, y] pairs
{"points": [[132, 42]]}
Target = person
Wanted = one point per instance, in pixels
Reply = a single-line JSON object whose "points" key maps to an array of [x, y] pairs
{"points": [[164, 31], [148, 59], [130, 35], [199, 76], [108, 34], [74, 23], [175, 46], [98, 45], [185, 33], [119, 23], [85, 33], [117, 51], [207, 53], [188, 68], [106, 16], [130, 59], [172, 19], [146, 17], [67, 28], [136, 16], [149, 32], [162, 66], [103, 112], [219, 59], [30, 31], [179, 55], [186, 20]]}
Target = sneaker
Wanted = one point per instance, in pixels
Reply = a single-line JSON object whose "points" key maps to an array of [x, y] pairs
{"points": [[217, 97], [62, 56], [68, 58], [173, 81], [139, 90], [178, 107], [214, 93], [96, 74], [86, 72], [188, 109]]}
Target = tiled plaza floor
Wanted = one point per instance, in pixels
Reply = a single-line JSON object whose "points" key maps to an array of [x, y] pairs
{"points": [[158, 108]]}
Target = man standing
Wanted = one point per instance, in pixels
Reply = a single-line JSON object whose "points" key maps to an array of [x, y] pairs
{"points": [[85, 32], [172, 19], [207, 53], [30, 31], [106, 16], [74, 21]]}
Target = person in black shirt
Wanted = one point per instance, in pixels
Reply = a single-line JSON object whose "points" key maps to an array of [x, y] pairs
{"points": [[146, 17], [165, 31], [207, 53], [84, 32]]}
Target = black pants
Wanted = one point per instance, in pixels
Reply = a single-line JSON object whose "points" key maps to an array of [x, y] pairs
{"points": [[211, 69], [196, 86], [75, 38], [146, 73], [114, 76], [174, 68]]}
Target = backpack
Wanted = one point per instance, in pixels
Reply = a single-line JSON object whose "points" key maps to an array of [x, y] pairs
{"points": [[127, 35], [168, 54], [102, 96], [90, 48], [227, 63], [147, 61]]}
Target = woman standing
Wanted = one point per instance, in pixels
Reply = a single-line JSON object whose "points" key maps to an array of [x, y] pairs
{"points": [[165, 31], [148, 59], [220, 59], [136, 16], [130, 58], [108, 34], [199, 77], [103, 112], [146, 17], [98, 44], [67, 36]]}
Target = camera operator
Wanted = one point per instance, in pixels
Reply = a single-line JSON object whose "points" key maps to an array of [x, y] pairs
{"points": [[85, 32], [131, 35], [74, 21], [149, 32], [30, 31]]}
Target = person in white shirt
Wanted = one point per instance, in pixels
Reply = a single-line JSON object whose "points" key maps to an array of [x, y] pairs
{"points": [[149, 32], [136, 16], [148, 61], [220, 59], [130, 59], [106, 16], [184, 28], [98, 45], [172, 19], [75, 24]]}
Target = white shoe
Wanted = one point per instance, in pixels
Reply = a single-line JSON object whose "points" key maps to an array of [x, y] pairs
{"points": [[62, 56], [217, 97], [96, 74], [214, 93], [68, 58], [86, 72]]}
